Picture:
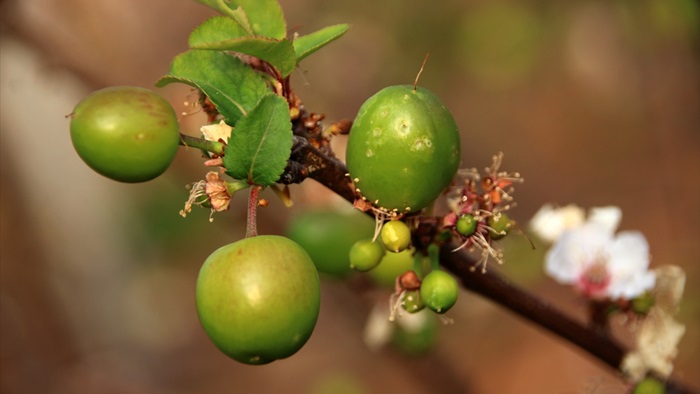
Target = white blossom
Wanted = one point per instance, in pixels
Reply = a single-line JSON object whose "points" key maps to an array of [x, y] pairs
{"points": [[600, 263], [379, 329], [550, 221]]}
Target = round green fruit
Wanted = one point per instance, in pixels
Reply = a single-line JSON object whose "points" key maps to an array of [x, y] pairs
{"points": [[649, 386], [328, 235], [126, 133], [439, 291], [365, 254], [403, 149], [411, 301], [258, 299], [391, 266], [396, 236], [466, 225], [416, 334], [501, 225]]}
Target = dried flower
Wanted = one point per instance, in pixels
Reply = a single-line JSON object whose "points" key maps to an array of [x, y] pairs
{"points": [[659, 333], [216, 132], [212, 192]]}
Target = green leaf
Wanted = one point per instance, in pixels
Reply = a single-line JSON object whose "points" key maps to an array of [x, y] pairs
{"points": [[310, 43], [261, 143], [233, 87], [258, 17], [279, 53], [218, 28]]}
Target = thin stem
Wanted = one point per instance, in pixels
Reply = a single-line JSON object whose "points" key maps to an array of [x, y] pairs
{"points": [[252, 219], [214, 147]]}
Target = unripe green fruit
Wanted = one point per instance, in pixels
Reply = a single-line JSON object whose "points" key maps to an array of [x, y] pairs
{"points": [[327, 235], [125, 133], [411, 301], [258, 299], [391, 266], [416, 339], [501, 224], [365, 254], [643, 303], [396, 236], [466, 225], [649, 386], [403, 149], [439, 291]]}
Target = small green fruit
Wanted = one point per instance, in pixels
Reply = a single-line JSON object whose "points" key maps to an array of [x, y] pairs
{"points": [[411, 301], [643, 303], [396, 236], [439, 291], [466, 225], [365, 254], [416, 334], [391, 266], [649, 386], [501, 225]]}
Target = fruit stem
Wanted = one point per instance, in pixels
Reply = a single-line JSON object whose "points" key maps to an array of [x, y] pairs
{"points": [[418, 265], [214, 147], [434, 255], [251, 229], [415, 82]]}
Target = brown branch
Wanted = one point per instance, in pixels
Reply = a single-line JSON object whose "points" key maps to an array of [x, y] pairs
{"points": [[332, 173]]}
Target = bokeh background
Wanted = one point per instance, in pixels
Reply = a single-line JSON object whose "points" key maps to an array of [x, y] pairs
{"points": [[594, 102]]}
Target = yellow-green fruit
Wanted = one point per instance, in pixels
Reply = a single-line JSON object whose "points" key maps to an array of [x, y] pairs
{"points": [[396, 236], [258, 298], [365, 254], [125, 133]]}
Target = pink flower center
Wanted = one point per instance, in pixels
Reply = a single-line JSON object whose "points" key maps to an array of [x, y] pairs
{"points": [[595, 279]]}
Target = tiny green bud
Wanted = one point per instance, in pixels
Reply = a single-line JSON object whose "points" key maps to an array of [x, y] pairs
{"points": [[643, 304], [501, 225], [649, 386], [466, 225], [411, 301]]}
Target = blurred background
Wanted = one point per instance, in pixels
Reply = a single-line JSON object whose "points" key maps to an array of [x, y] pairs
{"points": [[594, 102]]}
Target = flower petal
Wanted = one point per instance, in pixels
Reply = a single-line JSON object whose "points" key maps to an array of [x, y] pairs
{"points": [[575, 250], [609, 217], [628, 263], [549, 222]]}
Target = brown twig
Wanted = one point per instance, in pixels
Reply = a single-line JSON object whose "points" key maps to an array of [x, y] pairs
{"points": [[332, 174]]}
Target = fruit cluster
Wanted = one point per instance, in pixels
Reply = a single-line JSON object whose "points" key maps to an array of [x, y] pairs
{"points": [[258, 298], [437, 289]]}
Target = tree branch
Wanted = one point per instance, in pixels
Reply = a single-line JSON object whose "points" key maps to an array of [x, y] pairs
{"points": [[332, 173]]}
